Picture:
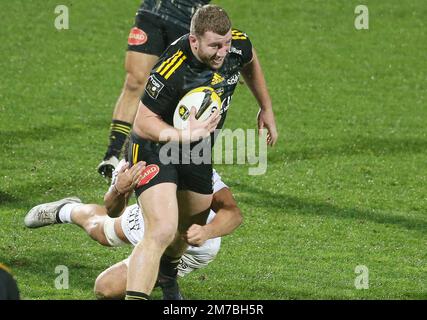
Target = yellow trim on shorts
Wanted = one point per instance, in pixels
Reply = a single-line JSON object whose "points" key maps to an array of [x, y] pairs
{"points": [[135, 149]]}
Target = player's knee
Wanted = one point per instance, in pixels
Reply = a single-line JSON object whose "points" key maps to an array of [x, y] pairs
{"points": [[135, 81], [163, 235], [95, 230], [104, 289], [163, 238]]}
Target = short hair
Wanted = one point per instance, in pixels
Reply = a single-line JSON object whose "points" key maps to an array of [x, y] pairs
{"points": [[210, 18]]}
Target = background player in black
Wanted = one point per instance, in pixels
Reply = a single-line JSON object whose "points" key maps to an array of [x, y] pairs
{"points": [[8, 287], [157, 24], [211, 55]]}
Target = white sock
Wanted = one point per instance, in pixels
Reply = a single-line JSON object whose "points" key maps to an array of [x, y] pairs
{"points": [[65, 212]]}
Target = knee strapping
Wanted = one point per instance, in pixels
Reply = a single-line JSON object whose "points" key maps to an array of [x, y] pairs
{"points": [[110, 233]]}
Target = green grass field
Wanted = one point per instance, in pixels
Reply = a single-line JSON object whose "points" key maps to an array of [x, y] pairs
{"points": [[346, 185]]}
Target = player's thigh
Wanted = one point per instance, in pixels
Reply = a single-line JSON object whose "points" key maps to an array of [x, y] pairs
{"points": [[138, 66], [111, 283], [160, 206], [193, 208], [146, 42], [193, 202], [155, 173], [147, 35], [195, 192]]}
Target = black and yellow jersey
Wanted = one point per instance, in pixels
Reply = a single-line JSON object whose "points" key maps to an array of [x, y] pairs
{"points": [[175, 11], [178, 71]]}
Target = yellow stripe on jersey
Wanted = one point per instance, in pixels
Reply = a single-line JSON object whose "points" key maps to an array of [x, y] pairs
{"points": [[237, 35], [169, 63], [166, 68], [176, 66], [168, 60]]}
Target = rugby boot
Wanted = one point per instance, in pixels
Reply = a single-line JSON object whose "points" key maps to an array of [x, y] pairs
{"points": [[170, 287], [46, 213], [107, 166]]}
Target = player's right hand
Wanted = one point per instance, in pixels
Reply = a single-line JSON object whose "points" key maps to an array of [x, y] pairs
{"points": [[266, 120], [195, 235], [200, 129]]}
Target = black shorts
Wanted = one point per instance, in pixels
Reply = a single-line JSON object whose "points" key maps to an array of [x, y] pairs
{"points": [[197, 178], [152, 35]]}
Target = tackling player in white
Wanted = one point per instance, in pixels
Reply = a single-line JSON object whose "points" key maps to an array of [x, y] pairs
{"points": [[114, 225]]}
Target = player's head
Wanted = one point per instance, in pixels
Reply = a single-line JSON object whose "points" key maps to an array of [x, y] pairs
{"points": [[210, 35]]}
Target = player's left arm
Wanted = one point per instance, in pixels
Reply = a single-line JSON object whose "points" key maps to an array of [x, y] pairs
{"points": [[254, 77], [228, 217]]}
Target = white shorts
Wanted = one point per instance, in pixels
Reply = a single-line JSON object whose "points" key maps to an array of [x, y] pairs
{"points": [[198, 257], [133, 224], [133, 221], [194, 258]]}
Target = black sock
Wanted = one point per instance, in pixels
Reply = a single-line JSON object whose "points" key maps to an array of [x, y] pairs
{"points": [[135, 295], [57, 213], [119, 132], [169, 266]]}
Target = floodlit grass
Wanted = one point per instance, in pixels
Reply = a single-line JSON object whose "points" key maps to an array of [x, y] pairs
{"points": [[345, 186]]}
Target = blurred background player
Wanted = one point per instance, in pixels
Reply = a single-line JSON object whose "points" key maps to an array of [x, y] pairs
{"points": [[157, 24], [128, 228], [8, 287]]}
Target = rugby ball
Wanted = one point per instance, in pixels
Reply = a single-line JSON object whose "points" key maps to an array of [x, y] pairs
{"points": [[204, 99]]}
